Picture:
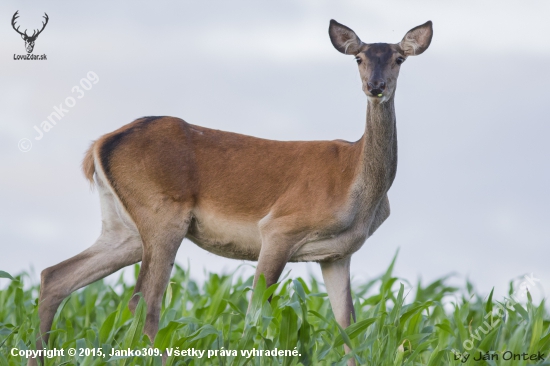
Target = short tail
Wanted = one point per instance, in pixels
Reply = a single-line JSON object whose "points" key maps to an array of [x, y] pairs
{"points": [[88, 164]]}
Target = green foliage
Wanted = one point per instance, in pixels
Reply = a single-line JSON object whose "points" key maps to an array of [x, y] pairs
{"points": [[438, 323]]}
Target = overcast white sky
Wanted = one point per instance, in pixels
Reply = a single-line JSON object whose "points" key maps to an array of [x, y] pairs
{"points": [[471, 194]]}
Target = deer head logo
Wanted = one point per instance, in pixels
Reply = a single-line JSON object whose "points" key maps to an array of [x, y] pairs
{"points": [[29, 40]]}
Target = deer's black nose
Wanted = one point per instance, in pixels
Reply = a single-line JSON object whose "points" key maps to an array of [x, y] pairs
{"points": [[376, 86]]}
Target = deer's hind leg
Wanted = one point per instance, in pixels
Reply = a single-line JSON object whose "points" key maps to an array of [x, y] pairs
{"points": [[118, 246], [162, 233]]}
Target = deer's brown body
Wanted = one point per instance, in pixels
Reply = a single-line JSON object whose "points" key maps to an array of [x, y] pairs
{"points": [[161, 179], [239, 186]]}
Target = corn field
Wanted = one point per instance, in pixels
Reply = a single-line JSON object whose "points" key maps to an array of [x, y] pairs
{"points": [[397, 324]]}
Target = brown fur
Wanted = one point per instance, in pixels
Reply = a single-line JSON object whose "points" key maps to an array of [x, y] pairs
{"points": [[88, 165], [224, 175]]}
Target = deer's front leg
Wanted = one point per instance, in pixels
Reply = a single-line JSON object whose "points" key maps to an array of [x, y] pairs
{"points": [[337, 282], [271, 264], [277, 249]]}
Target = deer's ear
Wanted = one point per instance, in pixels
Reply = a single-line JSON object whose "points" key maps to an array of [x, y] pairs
{"points": [[344, 39], [417, 40], [23, 36]]}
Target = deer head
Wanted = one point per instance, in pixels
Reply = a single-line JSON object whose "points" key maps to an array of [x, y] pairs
{"points": [[29, 40], [379, 63]]}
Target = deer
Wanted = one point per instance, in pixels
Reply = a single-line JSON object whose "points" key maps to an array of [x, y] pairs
{"points": [[29, 40], [161, 179]]}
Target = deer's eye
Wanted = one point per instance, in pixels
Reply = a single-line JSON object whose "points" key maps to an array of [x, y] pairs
{"points": [[358, 59], [400, 60]]}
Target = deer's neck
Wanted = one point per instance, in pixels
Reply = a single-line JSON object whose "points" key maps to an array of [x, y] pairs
{"points": [[379, 149]]}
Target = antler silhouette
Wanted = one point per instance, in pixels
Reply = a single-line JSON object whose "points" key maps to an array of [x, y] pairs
{"points": [[15, 16], [35, 33], [43, 26]]}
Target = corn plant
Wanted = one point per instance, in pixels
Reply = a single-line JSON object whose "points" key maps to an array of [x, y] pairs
{"points": [[438, 326]]}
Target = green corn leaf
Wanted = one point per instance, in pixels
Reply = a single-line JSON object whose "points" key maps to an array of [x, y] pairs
{"points": [[6, 275]]}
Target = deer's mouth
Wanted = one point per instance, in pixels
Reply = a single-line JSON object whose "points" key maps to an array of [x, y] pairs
{"points": [[376, 93]]}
